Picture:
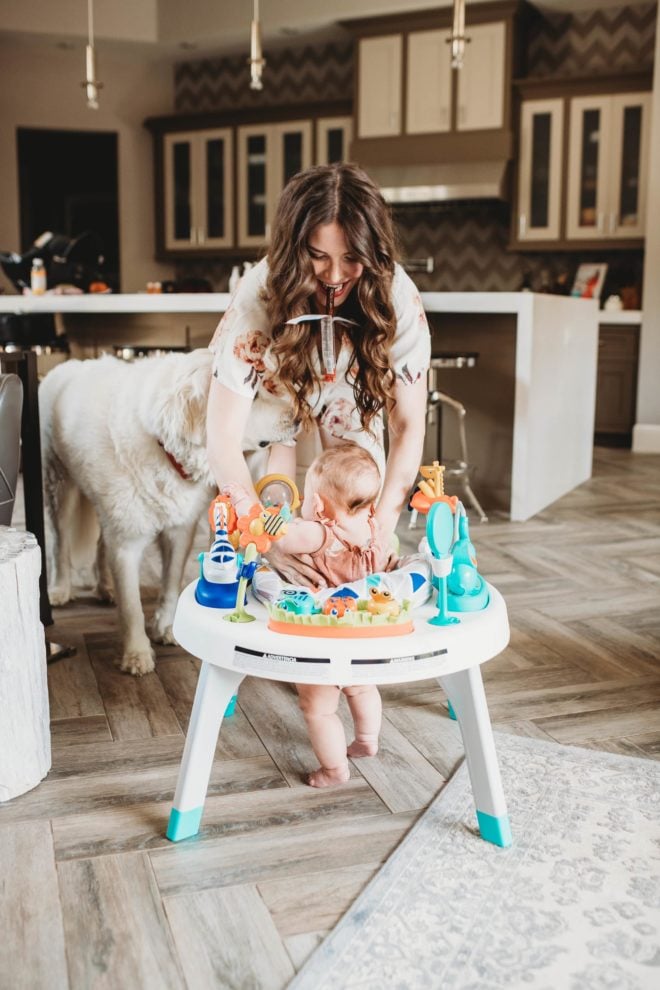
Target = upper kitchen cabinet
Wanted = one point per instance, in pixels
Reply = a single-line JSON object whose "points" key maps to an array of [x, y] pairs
{"points": [[411, 107], [268, 156], [218, 176], [429, 83], [607, 166], [481, 79], [379, 86], [333, 139], [198, 200], [582, 163], [540, 169]]}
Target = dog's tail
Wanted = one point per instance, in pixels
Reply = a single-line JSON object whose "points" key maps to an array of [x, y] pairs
{"points": [[84, 544], [65, 504]]}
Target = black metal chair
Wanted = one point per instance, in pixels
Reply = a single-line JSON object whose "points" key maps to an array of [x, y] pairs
{"points": [[459, 469], [11, 408]]}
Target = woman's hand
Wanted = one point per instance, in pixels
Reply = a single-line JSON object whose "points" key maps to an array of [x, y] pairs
{"points": [[296, 569]]}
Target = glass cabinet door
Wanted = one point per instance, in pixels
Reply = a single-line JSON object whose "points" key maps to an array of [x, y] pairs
{"points": [[254, 184], [292, 144], [630, 133], [215, 174], [179, 172], [588, 179], [540, 171], [333, 139]]}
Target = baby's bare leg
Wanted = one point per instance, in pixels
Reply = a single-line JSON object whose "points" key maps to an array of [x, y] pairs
{"points": [[367, 710], [318, 704]]}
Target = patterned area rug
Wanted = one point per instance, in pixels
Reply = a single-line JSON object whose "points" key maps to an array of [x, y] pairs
{"points": [[574, 904]]}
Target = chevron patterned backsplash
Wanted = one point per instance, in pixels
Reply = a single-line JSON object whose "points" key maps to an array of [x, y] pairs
{"points": [[311, 74], [467, 240], [588, 43]]}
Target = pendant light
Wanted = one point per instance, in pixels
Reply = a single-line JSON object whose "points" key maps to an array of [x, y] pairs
{"points": [[256, 60], [457, 38], [91, 83]]}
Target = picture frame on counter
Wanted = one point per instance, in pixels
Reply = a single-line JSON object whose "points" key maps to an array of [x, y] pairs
{"points": [[589, 280]]}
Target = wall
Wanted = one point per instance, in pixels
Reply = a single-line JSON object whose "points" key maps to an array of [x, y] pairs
{"points": [[468, 240], [322, 72], [42, 89], [646, 433]]}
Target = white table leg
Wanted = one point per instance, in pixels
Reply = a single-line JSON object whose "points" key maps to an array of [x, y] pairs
{"points": [[465, 691], [215, 687]]}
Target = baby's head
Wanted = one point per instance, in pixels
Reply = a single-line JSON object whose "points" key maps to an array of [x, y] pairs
{"points": [[342, 481]]}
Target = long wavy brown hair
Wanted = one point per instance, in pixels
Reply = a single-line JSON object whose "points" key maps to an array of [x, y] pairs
{"points": [[344, 194]]}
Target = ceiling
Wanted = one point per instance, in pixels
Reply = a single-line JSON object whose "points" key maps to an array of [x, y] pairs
{"points": [[196, 28]]}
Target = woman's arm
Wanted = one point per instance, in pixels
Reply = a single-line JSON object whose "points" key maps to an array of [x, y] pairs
{"points": [[406, 427], [282, 460], [227, 414]]}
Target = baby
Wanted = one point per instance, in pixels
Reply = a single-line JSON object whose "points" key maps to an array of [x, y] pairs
{"points": [[339, 531]]}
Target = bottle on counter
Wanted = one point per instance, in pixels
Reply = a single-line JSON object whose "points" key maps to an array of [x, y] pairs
{"points": [[38, 277]]}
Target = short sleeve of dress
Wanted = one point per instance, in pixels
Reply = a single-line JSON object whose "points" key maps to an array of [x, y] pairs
{"points": [[411, 350], [241, 338]]}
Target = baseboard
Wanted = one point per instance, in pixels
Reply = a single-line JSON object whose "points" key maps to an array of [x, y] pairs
{"points": [[646, 438], [613, 440]]}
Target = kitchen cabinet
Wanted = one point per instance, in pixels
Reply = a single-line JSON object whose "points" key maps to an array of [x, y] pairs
{"points": [[267, 157], [428, 82], [616, 389], [540, 169], [607, 166], [480, 89], [198, 189], [583, 160], [428, 100], [333, 139], [380, 83]]}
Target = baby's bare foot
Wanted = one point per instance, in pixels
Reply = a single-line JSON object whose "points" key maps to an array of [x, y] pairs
{"points": [[324, 777], [363, 747]]}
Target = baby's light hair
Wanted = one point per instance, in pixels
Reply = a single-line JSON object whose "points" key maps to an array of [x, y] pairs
{"points": [[347, 475]]}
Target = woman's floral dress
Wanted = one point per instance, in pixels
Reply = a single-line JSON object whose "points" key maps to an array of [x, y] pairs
{"points": [[243, 364]]}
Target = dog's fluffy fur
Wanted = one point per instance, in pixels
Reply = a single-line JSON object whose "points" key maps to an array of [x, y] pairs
{"points": [[101, 423]]}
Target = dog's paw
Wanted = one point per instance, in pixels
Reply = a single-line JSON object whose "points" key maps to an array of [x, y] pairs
{"points": [[104, 594], [160, 630], [161, 634], [59, 595], [137, 662]]}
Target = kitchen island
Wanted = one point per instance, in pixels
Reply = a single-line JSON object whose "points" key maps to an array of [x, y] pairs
{"points": [[530, 399]]}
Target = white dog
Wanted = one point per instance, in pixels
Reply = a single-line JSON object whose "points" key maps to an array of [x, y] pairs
{"points": [[130, 439]]}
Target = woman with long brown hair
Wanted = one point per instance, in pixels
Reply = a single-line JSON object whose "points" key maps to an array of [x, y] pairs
{"points": [[332, 237]]}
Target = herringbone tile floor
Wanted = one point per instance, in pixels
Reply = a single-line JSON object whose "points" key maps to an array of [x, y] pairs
{"points": [[93, 895]]}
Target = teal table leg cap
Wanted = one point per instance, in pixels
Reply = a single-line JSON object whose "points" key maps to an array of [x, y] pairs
{"points": [[495, 830], [231, 707], [452, 713], [183, 824]]}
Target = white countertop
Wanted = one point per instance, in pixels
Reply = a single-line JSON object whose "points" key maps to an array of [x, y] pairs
{"points": [[620, 317], [217, 302]]}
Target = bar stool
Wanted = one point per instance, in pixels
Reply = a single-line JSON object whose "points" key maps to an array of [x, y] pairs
{"points": [[459, 469]]}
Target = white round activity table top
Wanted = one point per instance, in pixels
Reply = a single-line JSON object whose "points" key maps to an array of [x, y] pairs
{"points": [[429, 651]]}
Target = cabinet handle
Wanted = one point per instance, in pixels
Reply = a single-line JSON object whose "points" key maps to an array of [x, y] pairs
{"points": [[522, 225]]}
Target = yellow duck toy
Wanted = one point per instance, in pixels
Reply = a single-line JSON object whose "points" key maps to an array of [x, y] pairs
{"points": [[381, 602]]}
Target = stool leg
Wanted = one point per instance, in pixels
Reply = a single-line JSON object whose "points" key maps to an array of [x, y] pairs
{"points": [[215, 687], [465, 690], [474, 501]]}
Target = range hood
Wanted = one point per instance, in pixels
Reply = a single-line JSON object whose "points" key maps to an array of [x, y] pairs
{"points": [[434, 183]]}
